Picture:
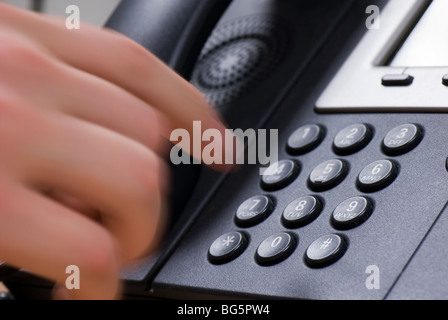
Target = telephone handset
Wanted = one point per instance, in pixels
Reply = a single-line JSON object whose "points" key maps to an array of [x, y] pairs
{"points": [[356, 209]]}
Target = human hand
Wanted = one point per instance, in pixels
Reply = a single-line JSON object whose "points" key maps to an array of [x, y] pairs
{"points": [[82, 176]]}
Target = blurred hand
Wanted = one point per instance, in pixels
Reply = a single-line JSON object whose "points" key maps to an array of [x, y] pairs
{"points": [[82, 180]]}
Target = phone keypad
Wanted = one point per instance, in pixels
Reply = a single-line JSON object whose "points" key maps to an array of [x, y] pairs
{"points": [[304, 210]]}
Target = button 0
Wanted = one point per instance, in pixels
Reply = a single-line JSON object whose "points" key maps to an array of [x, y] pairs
{"points": [[352, 139], [301, 212], [377, 175], [305, 139], [328, 175], [276, 248], [227, 247], [351, 213], [253, 211], [280, 174], [402, 139], [325, 251]]}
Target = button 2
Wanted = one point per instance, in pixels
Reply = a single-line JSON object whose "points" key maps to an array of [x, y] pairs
{"points": [[352, 139], [276, 248], [402, 139], [280, 174], [327, 175], [253, 211], [325, 251], [227, 247]]}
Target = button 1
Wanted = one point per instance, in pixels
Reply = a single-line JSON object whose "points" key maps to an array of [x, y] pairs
{"points": [[276, 248], [327, 175], [253, 211], [402, 139], [377, 175], [352, 139], [325, 251], [305, 139], [301, 212], [393, 80], [351, 213], [280, 174], [227, 247]]}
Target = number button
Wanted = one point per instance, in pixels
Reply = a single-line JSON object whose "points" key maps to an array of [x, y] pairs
{"points": [[227, 247], [325, 251], [352, 139], [276, 248], [402, 139], [351, 213], [301, 212], [280, 174], [327, 175], [377, 175], [253, 211], [305, 139]]}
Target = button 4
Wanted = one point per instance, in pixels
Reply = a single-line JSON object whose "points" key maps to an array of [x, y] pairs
{"points": [[280, 174]]}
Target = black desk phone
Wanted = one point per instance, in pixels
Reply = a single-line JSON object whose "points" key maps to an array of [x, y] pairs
{"points": [[358, 91]]}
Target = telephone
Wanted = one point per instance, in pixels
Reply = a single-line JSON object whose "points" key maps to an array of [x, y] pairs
{"points": [[358, 210]]}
